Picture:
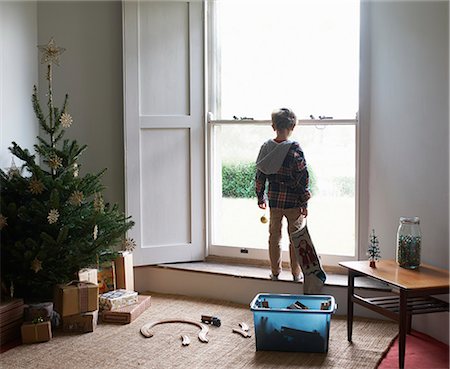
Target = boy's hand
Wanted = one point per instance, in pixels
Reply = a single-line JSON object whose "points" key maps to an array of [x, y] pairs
{"points": [[304, 212], [262, 205]]}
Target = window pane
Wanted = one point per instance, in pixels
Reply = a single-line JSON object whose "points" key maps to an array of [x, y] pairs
{"points": [[298, 54], [330, 154]]}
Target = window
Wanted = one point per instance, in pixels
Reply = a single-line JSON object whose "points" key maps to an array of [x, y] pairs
{"points": [[270, 54]]}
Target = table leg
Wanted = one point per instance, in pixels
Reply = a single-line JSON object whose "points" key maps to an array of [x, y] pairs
{"points": [[350, 291], [403, 325]]}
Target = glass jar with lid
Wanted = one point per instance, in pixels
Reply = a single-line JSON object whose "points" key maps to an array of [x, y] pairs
{"points": [[409, 239]]}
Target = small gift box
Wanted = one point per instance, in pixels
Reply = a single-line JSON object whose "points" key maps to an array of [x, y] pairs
{"points": [[106, 277], [116, 299], [127, 314], [88, 275], [80, 323], [36, 331], [75, 298], [124, 271]]}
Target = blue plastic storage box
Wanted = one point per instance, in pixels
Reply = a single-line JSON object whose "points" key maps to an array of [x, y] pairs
{"points": [[282, 323]]}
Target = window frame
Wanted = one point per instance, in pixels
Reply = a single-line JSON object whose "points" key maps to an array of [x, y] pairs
{"points": [[212, 84]]}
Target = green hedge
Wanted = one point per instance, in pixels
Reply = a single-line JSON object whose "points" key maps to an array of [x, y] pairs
{"points": [[238, 180]]}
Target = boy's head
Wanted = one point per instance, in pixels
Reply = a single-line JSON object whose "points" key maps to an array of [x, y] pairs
{"points": [[283, 119]]}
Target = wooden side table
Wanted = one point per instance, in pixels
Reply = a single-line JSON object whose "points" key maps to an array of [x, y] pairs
{"points": [[415, 297]]}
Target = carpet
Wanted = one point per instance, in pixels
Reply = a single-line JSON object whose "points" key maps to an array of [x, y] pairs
{"points": [[122, 346]]}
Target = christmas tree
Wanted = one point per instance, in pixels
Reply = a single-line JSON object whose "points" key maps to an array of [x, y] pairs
{"points": [[53, 221], [373, 251]]}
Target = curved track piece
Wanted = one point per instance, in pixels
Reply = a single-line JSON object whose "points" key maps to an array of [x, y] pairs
{"points": [[244, 334], [185, 340], [145, 329], [244, 326]]}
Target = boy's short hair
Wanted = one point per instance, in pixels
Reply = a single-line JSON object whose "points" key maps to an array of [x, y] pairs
{"points": [[284, 118]]}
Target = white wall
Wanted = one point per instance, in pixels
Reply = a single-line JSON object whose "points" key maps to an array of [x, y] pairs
{"points": [[18, 74], [90, 72], [409, 127], [406, 84]]}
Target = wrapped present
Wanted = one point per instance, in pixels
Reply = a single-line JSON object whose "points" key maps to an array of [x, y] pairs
{"points": [[42, 310], [88, 275], [127, 314], [11, 319], [116, 299], [38, 331], [106, 277], [75, 298], [124, 271], [80, 323]]}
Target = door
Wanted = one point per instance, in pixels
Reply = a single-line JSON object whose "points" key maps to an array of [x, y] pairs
{"points": [[164, 129]]}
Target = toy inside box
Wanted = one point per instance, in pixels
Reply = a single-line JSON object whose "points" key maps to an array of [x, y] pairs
{"points": [[116, 299], [75, 298], [299, 323]]}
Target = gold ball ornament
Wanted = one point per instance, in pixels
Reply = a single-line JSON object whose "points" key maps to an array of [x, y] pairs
{"points": [[264, 219]]}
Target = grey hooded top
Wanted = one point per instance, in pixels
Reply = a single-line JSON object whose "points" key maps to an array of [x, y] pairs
{"points": [[272, 155]]}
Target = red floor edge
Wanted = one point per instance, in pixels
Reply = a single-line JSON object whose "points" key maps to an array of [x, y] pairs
{"points": [[422, 352]]}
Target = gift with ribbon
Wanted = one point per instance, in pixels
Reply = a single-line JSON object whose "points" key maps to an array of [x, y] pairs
{"points": [[76, 297], [36, 331]]}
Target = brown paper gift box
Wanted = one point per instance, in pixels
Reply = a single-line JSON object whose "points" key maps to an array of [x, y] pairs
{"points": [[80, 323], [76, 298], [124, 271], [127, 314], [39, 332]]}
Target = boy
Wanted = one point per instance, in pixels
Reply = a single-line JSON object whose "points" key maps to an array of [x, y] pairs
{"points": [[282, 163]]}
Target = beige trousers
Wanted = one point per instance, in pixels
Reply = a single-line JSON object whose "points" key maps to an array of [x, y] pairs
{"points": [[294, 219]]}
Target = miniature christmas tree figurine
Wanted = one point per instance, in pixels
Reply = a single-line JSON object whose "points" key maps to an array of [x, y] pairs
{"points": [[53, 220], [373, 251]]}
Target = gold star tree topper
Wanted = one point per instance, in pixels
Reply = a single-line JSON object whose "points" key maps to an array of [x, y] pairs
{"points": [[50, 52]]}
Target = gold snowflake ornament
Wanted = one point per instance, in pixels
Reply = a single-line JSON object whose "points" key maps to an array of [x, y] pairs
{"points": [[76, 198], [50, 52], [66, 120], [13, 170], [3, 222], [36, 187], [55, 162], [36, 265], [53, 216], [129, 244]]}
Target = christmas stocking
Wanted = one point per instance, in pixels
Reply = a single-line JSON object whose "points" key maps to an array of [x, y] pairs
{"points": [[313, 274]]}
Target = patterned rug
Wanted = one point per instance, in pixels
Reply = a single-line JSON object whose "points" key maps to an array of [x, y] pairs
{"points": [[122, 346]]}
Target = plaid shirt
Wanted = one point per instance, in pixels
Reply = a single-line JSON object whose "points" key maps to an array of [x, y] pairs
{"points": [[289, 187]]}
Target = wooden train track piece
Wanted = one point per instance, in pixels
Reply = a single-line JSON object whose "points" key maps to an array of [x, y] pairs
{"points": [[243, 333], [244, 326], [145, 329], [185, 340]]}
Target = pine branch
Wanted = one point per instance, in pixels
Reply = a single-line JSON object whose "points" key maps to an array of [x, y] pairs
{"points": [[43, 143], [38, 111], [22, 154]]}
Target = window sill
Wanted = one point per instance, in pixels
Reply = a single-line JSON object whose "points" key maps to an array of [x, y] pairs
{"points": [[262, 273]]}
